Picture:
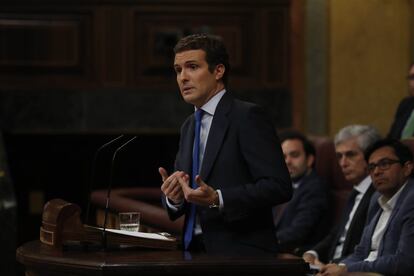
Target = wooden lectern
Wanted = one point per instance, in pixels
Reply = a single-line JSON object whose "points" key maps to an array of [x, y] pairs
{"points": [[61, 225]]}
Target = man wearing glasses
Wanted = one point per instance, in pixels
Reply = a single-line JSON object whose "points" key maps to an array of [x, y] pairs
{"points": [[386, 245], [403, 125], [350, 145]]}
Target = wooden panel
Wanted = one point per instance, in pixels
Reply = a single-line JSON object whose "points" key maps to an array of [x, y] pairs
{"points": [[114, 56], [276, 61], [90, 58], [156, 32], [43, 47], [39, 43]]}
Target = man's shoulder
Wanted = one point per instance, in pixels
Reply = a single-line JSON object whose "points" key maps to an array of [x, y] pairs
{"points": [[315, 185], [313, 178], [408, 193], [406, 103]]}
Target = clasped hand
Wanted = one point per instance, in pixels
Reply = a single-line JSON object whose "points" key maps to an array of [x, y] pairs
{"points": [[177, 187]]}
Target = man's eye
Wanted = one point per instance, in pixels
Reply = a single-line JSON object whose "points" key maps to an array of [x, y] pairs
{"points": [[193, 66], [177, 70], [295, 154], [351, 154]]}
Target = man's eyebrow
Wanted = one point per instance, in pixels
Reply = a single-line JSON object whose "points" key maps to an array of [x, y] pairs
{"points": [[190, 61], [186, 62]]}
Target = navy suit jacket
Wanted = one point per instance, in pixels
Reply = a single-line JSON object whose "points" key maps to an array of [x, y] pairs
{"points": [[306, 219], [404, 110], [243, 158], [326, 248], [396, 250]]}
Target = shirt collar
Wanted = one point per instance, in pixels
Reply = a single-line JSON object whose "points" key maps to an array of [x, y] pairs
{"points": [[390, 204], [363, 186], [211, 105]]}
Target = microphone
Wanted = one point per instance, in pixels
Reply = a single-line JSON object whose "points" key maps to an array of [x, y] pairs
{"points": [[93, 170], [108, 195]]}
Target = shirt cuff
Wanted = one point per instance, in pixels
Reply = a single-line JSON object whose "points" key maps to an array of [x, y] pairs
{"points": [[221, 202], [313, 253], [173, 207]]}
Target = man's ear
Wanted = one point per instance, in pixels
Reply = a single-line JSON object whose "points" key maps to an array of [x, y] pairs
{"points": [[220, 69], [408, 168], [310, 159]]}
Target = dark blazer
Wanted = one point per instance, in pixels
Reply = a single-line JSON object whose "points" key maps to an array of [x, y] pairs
{"points": [[326, 248], [243, 158], [396, 251], [306, 219], [404, 110]]}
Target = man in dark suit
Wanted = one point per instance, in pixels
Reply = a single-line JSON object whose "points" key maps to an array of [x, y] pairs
{"points": [[403, 125], [231, 150], [298, 226], [386, 246], [350, 144]]}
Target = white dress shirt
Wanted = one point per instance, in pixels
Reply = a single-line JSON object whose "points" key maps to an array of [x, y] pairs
{"points": [[209, 109], [387, 206]]}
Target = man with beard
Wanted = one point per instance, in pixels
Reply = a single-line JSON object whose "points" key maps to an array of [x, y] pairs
{"points": [[386, 244], [298, 225]]}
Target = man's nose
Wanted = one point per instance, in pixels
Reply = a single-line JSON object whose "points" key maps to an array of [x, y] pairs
{"points": [[376, 171], [183, 75], [343, 161], [287, 160]]}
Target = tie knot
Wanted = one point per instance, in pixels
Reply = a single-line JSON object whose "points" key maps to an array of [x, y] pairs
{"points": [[199, 114]]}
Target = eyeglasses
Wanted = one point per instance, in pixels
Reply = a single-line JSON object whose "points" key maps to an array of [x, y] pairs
{"points": [[383, 165]]}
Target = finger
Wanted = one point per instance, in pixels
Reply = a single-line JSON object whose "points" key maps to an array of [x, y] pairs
{"points": [[163, 173], [184, 183], [199, 181]]}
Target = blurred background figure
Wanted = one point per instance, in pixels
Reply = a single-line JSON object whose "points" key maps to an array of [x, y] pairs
{"points": [[8, 231], [385, 245], [305, 219], [350, 144], [403, 125]]}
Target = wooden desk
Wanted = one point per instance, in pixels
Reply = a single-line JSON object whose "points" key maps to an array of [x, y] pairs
{"points": [[40, 259]]}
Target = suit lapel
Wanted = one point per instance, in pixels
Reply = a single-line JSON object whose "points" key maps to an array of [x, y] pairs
{"points": [[216, 135], [395, 212]]}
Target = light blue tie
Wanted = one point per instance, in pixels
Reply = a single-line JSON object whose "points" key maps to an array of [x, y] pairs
{"points": [[189, 229]]}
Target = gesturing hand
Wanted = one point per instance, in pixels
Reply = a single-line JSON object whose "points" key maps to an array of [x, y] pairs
{"points": [[204, 195], [170, 185]]}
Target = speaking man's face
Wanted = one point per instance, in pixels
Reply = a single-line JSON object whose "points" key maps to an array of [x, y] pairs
{"points": [[197, 84]]}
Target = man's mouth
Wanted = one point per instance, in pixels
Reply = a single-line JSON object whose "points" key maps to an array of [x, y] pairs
{"points": [[380, 181], [186, 89]]}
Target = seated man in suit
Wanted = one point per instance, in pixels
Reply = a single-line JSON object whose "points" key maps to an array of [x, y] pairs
{"points": [[386, 246], [350, 144], [403, 125], [298, 225]]}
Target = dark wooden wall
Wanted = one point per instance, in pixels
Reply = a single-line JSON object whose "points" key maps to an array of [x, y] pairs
{"points": [[75, 73], [87, 66]]}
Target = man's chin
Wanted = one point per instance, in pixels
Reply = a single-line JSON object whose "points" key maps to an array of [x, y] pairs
{"points": [[188, 99]]}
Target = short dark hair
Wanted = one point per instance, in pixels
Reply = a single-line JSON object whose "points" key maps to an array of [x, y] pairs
{"points": [[403, 152], [212, 45], [294, 134]]}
